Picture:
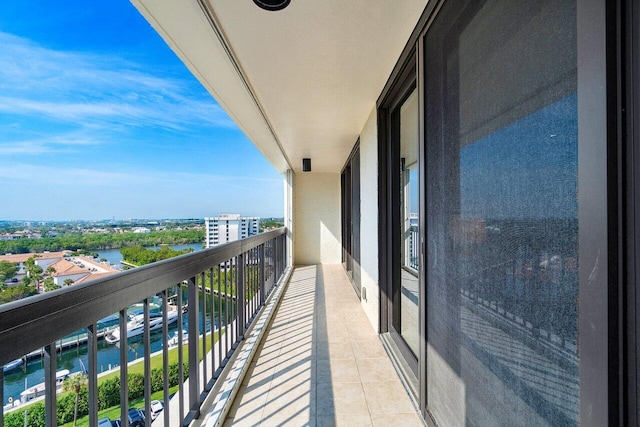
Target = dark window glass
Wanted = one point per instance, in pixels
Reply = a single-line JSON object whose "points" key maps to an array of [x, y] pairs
{"points": [[350, 187], [502, 213]]}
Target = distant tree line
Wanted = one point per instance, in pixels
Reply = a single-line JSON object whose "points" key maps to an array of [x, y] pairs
{"points": [[99, 241], [139, 255], [270, 223]]}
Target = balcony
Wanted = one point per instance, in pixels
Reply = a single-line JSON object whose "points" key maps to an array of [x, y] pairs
{"points": [[306, 351]]}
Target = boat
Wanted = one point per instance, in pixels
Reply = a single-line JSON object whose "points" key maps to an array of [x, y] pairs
{"points": [[12, 365], [39, 389], [135, 325], [173, 341]]}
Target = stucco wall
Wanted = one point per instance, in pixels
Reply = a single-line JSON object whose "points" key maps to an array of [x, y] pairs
{"points": [[369, 217], [316, 218]]}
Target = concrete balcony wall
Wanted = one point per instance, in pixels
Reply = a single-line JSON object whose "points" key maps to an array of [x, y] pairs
{"points": [[316, 218], [369, 218]]}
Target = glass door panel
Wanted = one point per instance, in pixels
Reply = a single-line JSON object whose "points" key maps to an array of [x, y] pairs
{"points": [[502, 213], [406, 284]]}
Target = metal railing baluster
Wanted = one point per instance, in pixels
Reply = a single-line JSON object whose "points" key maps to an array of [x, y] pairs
{"points": [[194, 341], [147, 358], [165, 356], [203, 318], [180, 360], [2, 397], [124, 368], [92, 355], [51, 418], [240, 300], [261, 279], [212, 327], [229, 328], [220, 354]]}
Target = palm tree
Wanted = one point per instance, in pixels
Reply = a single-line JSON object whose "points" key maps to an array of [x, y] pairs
{"points": [[68, 282], [50, 285], [75, 383], [36, 276], [34, 273]]}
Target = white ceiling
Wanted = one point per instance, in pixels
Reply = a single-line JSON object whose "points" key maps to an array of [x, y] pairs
{"points": [[311, 73]]}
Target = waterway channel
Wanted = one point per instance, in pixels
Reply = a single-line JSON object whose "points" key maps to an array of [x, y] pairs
{"points": [[113, 256], [75, 357]]}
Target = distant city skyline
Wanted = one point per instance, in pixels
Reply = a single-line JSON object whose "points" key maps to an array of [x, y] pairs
{"points": [[100, 120]]}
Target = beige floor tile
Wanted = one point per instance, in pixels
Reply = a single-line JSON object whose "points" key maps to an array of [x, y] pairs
{"points": [[291, 399], [368, 348], [251, 405], [375, 370], [340, 398], [248, 421], [334, 350], [259, 379], [291, 421], [387, 398], [334, 335], [344, 421], [404, 420], [337, 370]]}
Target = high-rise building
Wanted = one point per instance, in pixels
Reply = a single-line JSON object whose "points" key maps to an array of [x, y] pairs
{"points": [[229, 227]]}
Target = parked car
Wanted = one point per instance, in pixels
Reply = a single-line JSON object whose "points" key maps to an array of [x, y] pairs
{"points": [[136, 417], [104, 422], [156, 408]]}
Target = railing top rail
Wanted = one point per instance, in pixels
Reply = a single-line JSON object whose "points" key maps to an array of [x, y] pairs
{"points": [[33, 322]]}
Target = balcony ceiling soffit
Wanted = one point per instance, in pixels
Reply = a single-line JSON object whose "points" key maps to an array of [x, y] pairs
{"points": [[315, 68]]}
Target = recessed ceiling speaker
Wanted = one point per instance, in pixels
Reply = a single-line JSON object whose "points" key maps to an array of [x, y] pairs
{"points": [[272, 5], [306, 165]]}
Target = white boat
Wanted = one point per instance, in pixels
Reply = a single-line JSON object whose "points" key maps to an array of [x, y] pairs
{"points": [[135, 326], [39, 389], [173, 341], [12, 365]]}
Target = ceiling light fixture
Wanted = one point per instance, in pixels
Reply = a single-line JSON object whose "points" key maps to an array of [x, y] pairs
{"points": [[272, 5]]}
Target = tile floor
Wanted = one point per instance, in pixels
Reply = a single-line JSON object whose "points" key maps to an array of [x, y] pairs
{"points": [[321, 363]]}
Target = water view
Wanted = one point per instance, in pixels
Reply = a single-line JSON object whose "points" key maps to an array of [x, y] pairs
{"points": [[114, 256], [74, 358]]}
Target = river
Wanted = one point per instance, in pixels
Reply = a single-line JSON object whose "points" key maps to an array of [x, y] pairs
{"points": [[114, 256]]}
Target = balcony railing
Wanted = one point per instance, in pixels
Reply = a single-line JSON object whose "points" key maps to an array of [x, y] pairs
{"points": [[225, 286]]}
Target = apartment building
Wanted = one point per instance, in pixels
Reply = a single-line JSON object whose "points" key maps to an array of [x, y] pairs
{"points": [[228, 228]]}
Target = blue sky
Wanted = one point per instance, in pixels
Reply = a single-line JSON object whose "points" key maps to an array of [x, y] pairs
{"points": [[99, 119]]}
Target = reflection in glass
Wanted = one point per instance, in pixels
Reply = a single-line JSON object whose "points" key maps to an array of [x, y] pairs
{"points": [[409, 210], [502, 214]]}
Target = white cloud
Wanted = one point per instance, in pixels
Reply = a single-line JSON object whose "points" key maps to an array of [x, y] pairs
{"points": [[117, 179], [88, 88], [51, 143]]}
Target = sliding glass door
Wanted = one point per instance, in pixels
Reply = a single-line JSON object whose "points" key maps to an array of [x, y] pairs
{"points": [[494, 204], [502, 213], [350, 181]]}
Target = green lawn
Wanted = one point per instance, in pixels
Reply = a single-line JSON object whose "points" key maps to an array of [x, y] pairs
{"points": [[114, 412]]}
